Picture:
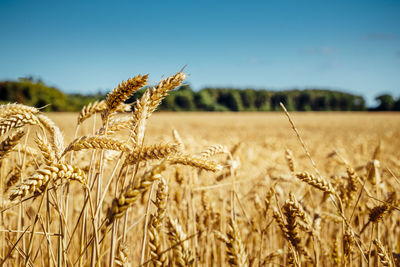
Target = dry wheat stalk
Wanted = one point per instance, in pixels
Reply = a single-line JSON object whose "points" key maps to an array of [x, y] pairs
{"points": [[155, 230], [181, 253], [195, 162], [96, 142], [133, 192], [10, 142], [382, 253], [123, 91], [37, 182], [316, 182], [17, 120], [158, 151]]}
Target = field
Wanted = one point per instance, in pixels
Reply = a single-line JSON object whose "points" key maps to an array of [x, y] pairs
{"points": [[244, 201]]}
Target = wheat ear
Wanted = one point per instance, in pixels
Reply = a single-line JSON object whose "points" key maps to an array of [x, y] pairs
{"points": [[17, 120], [157, 93], [181, 253], [98, 107], [121, 259], [195, 162], [155, 226], [10, 142], [14, 108], [235, 251], [382, 253], [123, 91], [128, 197], [96, 142], [45, 148], [158, 151], [290, 160], [316, 182], [37, 182], [56, 137], [212, 150]]}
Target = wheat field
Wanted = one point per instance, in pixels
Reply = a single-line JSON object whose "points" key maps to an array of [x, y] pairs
{"points": [[112, 188]]}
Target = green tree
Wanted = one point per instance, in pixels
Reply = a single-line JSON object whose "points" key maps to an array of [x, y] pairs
{"points": [[386, 102]]}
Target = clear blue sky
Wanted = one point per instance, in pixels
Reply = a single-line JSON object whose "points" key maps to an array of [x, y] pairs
{"points": [[84, 46]]}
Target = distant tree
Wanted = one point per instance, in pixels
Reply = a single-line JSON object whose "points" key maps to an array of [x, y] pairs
{"points": [[285, 99], [303, 101], [262, 101], [248, 97], [396, 106], [184, 99], [204, 101], [386, 102]]}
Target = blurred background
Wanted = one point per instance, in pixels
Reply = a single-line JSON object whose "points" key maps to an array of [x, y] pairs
{"points": [[240, 56]]}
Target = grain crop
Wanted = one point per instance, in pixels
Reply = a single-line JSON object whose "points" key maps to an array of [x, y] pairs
{"points": [[135, 187]]}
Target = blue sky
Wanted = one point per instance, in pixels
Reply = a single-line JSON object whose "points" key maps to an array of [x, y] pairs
{"points": [[84, 46]]}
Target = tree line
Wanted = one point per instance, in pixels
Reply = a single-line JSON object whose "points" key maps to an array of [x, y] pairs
{"points": [[36, 93]]}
